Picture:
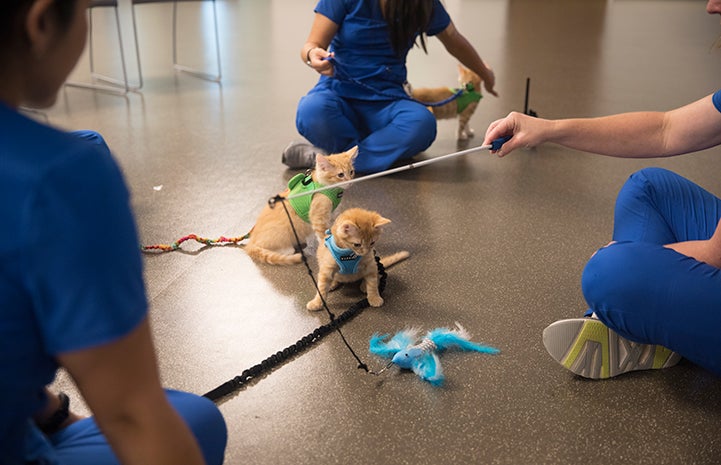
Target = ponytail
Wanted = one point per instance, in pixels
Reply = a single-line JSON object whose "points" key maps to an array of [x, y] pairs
{"points": [[407, 19]]}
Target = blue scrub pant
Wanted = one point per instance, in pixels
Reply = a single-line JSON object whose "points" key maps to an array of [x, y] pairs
{"points": [[82, 443], [651, 294], [385, 131]]}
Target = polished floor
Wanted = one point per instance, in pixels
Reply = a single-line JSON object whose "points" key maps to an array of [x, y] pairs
{"points": [[497, 245]]}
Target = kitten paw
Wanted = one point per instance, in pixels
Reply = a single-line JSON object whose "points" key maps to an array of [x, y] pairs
{"points": [[375, 301], [465, 134], [315, 305]]}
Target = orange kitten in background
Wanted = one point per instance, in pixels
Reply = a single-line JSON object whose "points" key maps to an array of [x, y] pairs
{"points": [[463, 107], [347, 255], [271, 239]]}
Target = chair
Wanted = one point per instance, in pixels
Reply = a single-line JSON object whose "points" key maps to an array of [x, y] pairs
{"points": [[186, 69], [114, 85]]}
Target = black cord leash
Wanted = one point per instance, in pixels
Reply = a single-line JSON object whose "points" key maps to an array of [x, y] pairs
{"points": [[307, 341]]}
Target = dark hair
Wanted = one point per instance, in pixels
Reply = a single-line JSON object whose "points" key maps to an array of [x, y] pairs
{"points": [[12, 17], [407, 19]]}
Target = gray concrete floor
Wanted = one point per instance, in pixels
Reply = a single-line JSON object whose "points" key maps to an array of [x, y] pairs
{"points": [[497, 244]]}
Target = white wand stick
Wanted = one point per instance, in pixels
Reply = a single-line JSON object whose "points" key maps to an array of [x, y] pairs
{"points": [[495, 145]]}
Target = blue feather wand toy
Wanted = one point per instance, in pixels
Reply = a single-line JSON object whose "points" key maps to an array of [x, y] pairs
{"points": [[407, 352]]}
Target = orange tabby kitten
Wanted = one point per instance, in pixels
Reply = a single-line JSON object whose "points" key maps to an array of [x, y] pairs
{"points": [[271, 239], [347, 255], [462, 107]]}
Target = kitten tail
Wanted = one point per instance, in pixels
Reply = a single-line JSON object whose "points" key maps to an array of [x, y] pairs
{"points": [[391, 260], [271, 257]]}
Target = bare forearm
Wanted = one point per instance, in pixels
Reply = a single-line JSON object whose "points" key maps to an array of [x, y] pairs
{"points": [[121, 385], [458, 46], [628, 135], [464, 52]]}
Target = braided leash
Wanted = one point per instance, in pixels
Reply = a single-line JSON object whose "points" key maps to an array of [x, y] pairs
{"points": [[307, 341], [300, 346], [222, 240]]}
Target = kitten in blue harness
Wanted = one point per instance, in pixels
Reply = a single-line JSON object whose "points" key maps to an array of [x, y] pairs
{"points": [[347, 255]]}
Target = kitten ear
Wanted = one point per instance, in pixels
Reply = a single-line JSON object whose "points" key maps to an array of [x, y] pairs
{"points": [[321, 161], [381, 222], [348, 227], [353, 152]]}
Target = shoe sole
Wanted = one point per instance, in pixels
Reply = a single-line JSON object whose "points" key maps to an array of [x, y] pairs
{"points": [[588, 348]]}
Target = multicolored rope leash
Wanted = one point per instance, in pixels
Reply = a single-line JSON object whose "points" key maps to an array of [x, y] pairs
{"points": [[222, 240]]}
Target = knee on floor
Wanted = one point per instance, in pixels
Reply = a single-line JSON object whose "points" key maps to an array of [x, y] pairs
{"points": [[610, 276]]}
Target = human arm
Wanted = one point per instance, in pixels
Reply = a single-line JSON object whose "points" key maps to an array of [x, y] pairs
{"points": [[315, 48], [707, 251], [457, 45], [121, 385], [690, 128]]}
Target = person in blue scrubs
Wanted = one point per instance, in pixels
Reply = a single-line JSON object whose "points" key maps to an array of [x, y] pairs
{"points": [[654, 292], [67, 298], [359, 47]]}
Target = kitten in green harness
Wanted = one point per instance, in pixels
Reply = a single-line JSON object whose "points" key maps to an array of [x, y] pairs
{"points": [[463, 107], [271, 239]]}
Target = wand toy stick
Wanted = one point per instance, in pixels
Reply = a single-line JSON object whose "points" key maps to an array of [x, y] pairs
{"points": [[495, 145]]}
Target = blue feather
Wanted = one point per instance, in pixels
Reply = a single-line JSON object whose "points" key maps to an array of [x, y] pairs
{"points": [[400, 341], [422, 357], [445, 338], [428, 367]]}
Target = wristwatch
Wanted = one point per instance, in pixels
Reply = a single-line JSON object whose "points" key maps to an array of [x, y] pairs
{"points": [[52, 424]]}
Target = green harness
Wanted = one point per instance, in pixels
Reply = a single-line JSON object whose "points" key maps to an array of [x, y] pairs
{"points": [[468, 96], [304, 183]]}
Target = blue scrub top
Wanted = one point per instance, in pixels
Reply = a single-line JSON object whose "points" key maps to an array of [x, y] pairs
{"points": [[70, 266], [717, 100], [363, 48]]}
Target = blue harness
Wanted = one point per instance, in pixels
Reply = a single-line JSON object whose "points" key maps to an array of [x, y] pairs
{"points": [[346, 259]]}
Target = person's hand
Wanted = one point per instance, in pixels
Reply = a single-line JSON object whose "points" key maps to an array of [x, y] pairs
{"points": [[707, 251], [715, 247], [609, 244], [526, 132], [319, 61], [51, 418]]}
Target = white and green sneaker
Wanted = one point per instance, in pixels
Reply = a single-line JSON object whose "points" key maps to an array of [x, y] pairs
{"points": [[590, 349]]}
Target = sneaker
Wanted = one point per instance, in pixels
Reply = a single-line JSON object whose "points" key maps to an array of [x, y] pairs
{"points": [[590, 349], [300, 155]]}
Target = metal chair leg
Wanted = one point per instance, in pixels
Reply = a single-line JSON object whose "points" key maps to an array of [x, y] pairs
{"points": [[114, 85], [137, 46], [193, 71]]}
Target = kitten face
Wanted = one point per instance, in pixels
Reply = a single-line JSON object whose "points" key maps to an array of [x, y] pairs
{"points": [[466, 76], [358, 229], [331, 169]]}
